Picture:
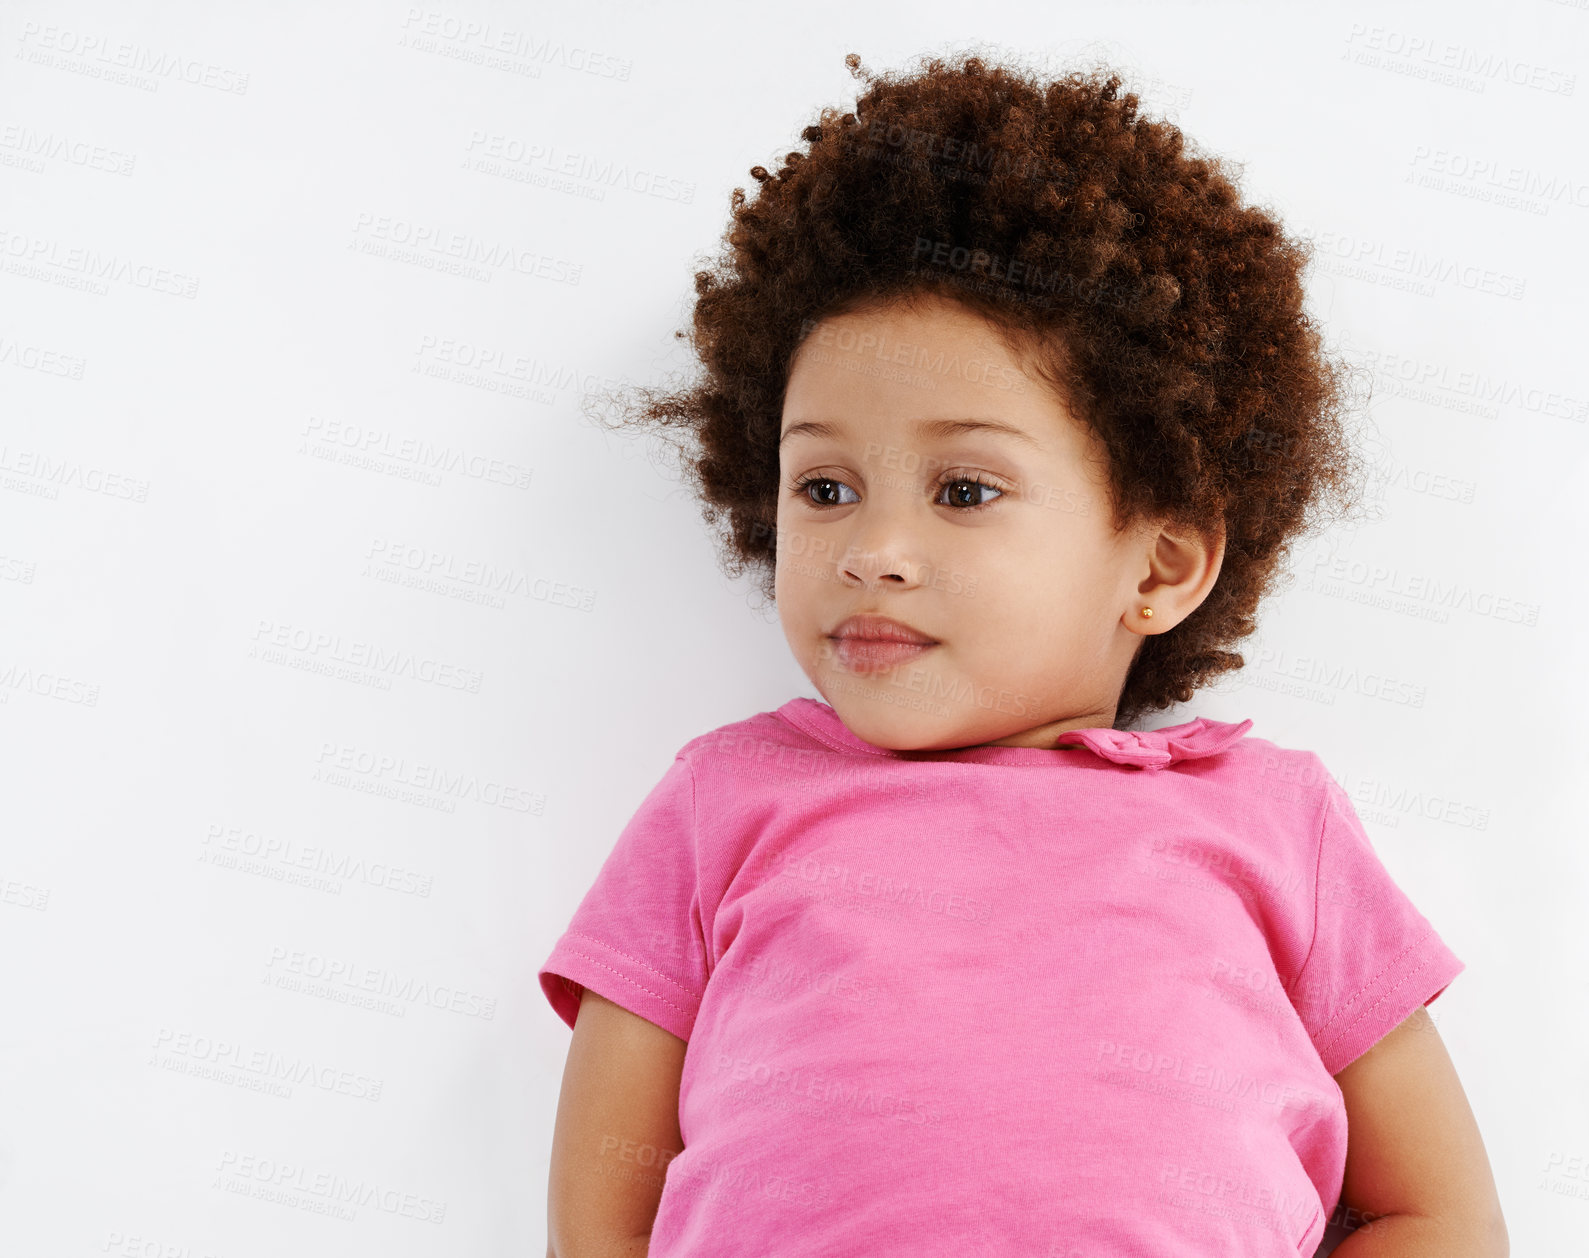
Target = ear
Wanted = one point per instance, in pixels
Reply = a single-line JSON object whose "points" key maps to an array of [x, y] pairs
{"points": [[1182, 566]]}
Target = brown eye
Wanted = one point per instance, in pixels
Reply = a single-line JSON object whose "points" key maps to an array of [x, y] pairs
{"points": [[962, 486], [826, 485]]}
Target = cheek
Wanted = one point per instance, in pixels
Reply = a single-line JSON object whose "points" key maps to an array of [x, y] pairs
{"points": [[783, 528], [1021, 564], [1037, 581], [803, 553], [791, 570]]}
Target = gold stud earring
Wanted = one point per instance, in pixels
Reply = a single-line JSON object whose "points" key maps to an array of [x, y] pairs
{"points": [[1147, 611]]}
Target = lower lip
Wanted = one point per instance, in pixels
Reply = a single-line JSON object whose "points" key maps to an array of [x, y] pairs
{"points": [[871, 655]]}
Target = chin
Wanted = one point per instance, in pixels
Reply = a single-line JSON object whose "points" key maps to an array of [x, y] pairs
{"points": [[894, 727]]}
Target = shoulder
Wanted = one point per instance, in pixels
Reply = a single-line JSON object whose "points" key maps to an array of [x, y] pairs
{"points": [[1266, 770], [761, 751], [1278, 797], [762, 737]]}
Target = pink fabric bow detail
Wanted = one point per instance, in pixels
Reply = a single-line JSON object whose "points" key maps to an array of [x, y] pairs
{"points": [[1155, 748]]}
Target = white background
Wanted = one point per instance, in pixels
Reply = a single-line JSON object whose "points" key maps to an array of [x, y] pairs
{"points": [[249, 630]]}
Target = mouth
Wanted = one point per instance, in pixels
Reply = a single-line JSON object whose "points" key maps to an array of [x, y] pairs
{"points": [[870, 628], [871, 644]]}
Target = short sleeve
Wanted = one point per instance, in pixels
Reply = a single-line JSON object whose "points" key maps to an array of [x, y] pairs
{"points": [[636, 937], [1374, 958]]}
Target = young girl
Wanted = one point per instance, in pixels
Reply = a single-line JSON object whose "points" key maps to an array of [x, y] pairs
{"points": [[1015, 406]]}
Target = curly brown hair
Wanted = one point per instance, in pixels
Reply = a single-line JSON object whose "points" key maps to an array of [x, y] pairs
{"points": [[1167, 315]]}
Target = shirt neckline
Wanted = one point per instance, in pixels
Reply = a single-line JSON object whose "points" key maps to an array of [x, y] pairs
{"points": [[1143, 749]]}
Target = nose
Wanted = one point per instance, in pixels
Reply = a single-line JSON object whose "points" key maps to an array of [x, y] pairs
{"points": [[880, 551], [867, 570]]}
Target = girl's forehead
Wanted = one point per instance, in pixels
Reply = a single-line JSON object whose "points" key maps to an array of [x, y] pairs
{"points": [[926, 307], [936, 381]]}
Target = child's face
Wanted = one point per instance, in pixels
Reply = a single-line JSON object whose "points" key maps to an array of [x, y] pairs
{"points": [[1032, 598]]}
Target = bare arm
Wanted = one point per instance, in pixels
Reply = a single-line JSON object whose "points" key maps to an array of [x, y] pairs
{"points": [[617, 1128], [1416, 1169]]}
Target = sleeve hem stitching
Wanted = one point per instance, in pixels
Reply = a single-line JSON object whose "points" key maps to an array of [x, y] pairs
{"points": [[1417, 945], [617, 973], [618, 952]]}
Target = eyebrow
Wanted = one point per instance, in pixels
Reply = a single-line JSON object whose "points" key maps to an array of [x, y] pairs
{"points": [[938, 428]]}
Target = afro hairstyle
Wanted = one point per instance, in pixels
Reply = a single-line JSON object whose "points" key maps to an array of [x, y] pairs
{"points": [[1166, 314]]}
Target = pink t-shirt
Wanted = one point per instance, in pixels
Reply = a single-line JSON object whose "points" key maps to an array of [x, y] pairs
{"points": [[1000, 1000]]}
